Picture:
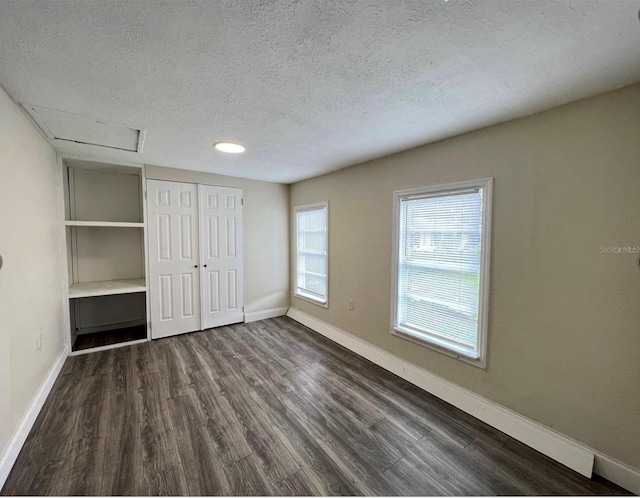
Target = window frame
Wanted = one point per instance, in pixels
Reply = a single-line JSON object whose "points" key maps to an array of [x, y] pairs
{"points": [[486, 184], [304, 296]]}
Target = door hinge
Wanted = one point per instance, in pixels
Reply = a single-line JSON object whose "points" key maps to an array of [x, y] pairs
{"points": [[242, 201]]}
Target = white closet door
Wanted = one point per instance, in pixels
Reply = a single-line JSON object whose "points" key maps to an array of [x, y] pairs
{"points": [[221, 255], [174, 283]]}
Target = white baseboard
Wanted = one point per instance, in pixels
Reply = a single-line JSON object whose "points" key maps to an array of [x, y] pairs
{"points": [[617, 472], [553, 444], [20, 435], [264, 314]]}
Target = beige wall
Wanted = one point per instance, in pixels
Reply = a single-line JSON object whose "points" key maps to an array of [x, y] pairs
{"points": [[31, 278], [564, 326], [266, 234]]}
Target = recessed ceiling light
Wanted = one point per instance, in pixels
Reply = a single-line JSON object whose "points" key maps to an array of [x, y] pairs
{"points": [[229, 147]]}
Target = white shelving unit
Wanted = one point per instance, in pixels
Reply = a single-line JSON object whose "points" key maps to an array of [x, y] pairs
{"points": [[106, 288], [105, 236]]}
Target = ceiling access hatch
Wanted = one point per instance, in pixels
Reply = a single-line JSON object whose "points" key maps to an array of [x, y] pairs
{"points": [[61, 125]]}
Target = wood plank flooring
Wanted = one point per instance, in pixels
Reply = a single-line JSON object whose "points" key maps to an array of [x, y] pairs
{"points": [[265, 408]]}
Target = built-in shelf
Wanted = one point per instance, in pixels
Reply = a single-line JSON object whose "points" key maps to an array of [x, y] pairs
{"points": [[107, 288], [121, 224], [105, 239]]}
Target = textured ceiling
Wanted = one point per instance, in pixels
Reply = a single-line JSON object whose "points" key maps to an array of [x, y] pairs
{"points": [[308, 86]]}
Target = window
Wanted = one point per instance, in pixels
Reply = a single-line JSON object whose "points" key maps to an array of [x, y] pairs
{"points": [[312, 252], [441, 260]]}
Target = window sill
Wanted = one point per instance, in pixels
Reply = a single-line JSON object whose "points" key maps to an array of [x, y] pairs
{"points": [[441, 348], [311, 299]]}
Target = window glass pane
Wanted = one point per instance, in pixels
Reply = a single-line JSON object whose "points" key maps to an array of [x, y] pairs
{"points": [[311, 278], [439, 266]]}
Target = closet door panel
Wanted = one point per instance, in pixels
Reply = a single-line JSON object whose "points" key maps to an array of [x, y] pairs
{"points": [[213, 287], [232, 290], [221, 239], [174, 281], [166, 297]]}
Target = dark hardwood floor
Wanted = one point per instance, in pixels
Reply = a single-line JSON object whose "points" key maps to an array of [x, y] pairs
{"points": [[265, 408]]}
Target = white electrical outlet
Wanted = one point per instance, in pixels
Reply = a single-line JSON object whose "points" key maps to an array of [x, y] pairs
{"points": [[351, 305]]}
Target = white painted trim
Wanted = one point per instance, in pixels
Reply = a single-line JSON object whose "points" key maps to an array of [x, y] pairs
{"points": [[617, 472], [557, 446], [12, 451], [254, 316], [309, 299], [91, 158], [64, 255], [145, 255]]}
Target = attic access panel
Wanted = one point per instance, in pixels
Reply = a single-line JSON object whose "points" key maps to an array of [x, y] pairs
{"points": [[61, 125]]}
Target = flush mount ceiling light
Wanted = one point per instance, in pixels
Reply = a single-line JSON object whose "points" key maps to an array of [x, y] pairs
{"points": [[229, 147]]}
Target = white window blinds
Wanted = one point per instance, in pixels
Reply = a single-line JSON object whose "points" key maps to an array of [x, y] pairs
{"points": [[440, 267], [311, 253]]}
